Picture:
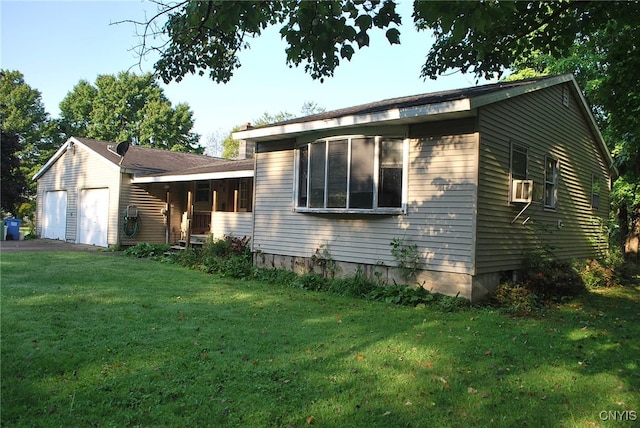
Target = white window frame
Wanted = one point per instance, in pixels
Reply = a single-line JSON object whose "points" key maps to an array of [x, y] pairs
{"points": [[402, 209], [551, 181]]}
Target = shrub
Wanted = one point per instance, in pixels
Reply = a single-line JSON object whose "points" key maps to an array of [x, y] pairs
{"points": [[407, 257], [596, 275], [552, 280], [145, 250], [354, 286], [404, 295], [515, 299]]}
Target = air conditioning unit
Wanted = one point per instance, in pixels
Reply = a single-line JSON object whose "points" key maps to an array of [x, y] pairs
{"points": [[521, 190]]}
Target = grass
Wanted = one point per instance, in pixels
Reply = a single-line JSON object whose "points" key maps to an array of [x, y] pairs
{"points": [[97, 339]]}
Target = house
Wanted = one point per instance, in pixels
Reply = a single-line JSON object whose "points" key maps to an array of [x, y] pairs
{"points": [[474, 180], [102, 193]]}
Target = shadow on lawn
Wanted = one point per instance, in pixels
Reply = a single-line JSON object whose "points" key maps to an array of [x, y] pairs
{"points": [[204, 352]]}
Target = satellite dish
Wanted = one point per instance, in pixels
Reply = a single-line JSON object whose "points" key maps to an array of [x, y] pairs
{"points": [[122, 147]]}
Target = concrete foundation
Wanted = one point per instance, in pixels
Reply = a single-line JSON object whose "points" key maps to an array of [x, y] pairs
{"points": [[449, 283]]}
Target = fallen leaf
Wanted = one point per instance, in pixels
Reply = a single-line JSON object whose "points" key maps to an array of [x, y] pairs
{"points": [[488, 352], [310, 420], [472, 390], [360, 357]]}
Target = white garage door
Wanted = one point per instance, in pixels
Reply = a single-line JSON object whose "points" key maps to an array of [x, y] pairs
{"points": [[93, 217], [54, 225]]}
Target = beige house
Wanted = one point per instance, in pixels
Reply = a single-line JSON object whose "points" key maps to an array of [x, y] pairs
{"points": [[102, 193], [475, 178]]}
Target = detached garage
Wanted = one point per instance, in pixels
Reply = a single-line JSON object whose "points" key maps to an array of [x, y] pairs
{"points": [[88, 193]]}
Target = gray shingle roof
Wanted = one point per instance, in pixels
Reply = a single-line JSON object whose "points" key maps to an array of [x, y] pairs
{"points": [[146, 160], [414, 100]]}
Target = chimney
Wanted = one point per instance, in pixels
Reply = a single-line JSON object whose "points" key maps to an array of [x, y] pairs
{"points": [[246, 148]]}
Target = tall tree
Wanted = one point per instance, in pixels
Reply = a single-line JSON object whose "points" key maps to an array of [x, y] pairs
{"points": [[28, 135], [12, 179], [128, 107]]}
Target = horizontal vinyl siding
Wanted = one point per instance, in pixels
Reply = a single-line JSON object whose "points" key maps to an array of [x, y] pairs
{"points": [[150, 199], [542, 123], [441, 203], [75, 170], [236, 224]]}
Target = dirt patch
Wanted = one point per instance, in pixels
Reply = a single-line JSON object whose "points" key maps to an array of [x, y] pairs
{"points": [[45, 245]]}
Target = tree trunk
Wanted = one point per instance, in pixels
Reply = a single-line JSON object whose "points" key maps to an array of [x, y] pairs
{"points": [[632, 237]]}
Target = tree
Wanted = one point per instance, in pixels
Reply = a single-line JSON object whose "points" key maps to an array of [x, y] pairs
{"points": [[128, 107], [207, 36], [28, 136], [230, 146], [13, 181]]}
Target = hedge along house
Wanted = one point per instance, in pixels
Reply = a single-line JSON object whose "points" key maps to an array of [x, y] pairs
{"points": [[102, 193], [475, 178]]}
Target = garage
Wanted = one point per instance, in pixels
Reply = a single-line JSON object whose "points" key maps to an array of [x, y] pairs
{"points": [[54, 224], [93, 216]]}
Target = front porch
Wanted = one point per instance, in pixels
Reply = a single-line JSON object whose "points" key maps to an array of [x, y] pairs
{"points": [[203, 202]]}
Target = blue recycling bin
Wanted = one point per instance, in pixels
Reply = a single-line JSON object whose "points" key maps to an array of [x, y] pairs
{"points": [[13, 229]]}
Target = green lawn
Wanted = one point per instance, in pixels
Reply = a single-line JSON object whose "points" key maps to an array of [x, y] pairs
{"points": [[98, 339]]}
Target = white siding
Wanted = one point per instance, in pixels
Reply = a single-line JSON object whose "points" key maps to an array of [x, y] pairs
{"points": [[440, 218], [235, 224], [75, 170]]}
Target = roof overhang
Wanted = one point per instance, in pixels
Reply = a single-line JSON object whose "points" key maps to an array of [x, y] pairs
{"points": [[191, 177], [390, 116], [423, 113]]}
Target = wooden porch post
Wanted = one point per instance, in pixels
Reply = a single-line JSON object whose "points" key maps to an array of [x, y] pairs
{"points": [[167, 235], [214, 207], [235, 201], [189, 215]]}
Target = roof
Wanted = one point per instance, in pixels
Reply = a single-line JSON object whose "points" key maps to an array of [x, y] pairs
{"points": [[414, 101], [150, 162], [418, 108]]}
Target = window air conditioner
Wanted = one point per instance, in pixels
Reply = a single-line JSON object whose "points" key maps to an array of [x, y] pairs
{"points": [[521, 190]]}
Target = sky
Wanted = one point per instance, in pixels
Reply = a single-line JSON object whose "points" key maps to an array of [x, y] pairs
{"points": [[56, 44]]}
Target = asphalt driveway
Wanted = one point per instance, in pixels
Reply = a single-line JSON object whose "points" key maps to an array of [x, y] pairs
{"points": [[45, 245]]}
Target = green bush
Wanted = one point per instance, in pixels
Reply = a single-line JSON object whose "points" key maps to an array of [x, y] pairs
{"points": [[595, 274], [553, 280], [515, 299], [404, 295], [145, 250]]}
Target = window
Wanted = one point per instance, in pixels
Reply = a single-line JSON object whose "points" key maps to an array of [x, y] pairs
{"points": [[595, 192], [519, 191], [203, 191], [244, 197], [519, 162], [550, 182], [565, 95], [362, 174]]}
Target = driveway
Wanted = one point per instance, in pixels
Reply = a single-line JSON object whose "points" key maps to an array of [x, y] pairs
{"points": [[45, 245]]}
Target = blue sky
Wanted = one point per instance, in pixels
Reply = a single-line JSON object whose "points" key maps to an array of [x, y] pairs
{"points": [[55, 44]]}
